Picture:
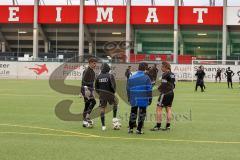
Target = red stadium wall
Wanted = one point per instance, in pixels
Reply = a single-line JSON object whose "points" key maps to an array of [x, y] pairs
{"points": [[194, 15]]}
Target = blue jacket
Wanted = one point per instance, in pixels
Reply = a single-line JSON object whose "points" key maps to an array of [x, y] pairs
{"points": [[139, 89]]}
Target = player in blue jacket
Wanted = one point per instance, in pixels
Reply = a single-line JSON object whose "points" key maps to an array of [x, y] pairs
{"points": [[139, 88]]}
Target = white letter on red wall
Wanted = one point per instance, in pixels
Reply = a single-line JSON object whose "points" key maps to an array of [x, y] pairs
{"points": [[13, 14], [152, 15], [59, 13], [200, 12], [105, 14]]}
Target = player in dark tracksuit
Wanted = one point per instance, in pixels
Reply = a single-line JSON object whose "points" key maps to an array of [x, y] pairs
{"points": [[152, 73], [200, 79], [218, 75], [239, 76], [229, 74], [105, 86], [87, 90], [166, 96], [128, 72]]}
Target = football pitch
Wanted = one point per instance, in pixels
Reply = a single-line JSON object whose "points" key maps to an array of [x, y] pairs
{"points": [[205, 126]]}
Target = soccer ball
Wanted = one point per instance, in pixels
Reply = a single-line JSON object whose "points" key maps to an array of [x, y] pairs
{"points": [[88, 124], [116, 124]]}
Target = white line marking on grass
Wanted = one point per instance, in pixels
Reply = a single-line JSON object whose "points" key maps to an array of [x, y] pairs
{"points": [[171, 140], [44, 134], [8, 90], [39, 95], [49, 129], [121, 138], [194, 100], [84, 135]]}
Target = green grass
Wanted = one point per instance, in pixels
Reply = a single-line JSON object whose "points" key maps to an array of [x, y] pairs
{"points": [[29, 128]]}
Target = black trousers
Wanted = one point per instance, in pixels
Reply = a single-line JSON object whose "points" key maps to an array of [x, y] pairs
{"points": [[218, 76], [89, 105], [201, 84], [229, 81], [140, 113]]}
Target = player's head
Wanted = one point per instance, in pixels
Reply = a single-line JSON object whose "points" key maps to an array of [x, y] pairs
{"points": [[166, 66], [148, 69], [155, 65], [143, 66], [228, 68], [105, 68], [129, 67], [92, 62]]}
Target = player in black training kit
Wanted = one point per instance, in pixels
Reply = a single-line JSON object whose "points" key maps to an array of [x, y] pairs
{"points": [[229, 74], [105, 86], [239, 77], [218, 75], [166, 96], [200, 79], [152, 73], [87, 90], [128, 72]]}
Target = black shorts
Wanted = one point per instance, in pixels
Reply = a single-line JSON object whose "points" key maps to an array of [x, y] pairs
{"points": [[112, 100], [218, 76], [165, 100], [200, 82], [229, 79]]}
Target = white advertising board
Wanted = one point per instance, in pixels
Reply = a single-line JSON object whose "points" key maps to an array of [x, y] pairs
{"points": [[73, 71], [233, 15]]}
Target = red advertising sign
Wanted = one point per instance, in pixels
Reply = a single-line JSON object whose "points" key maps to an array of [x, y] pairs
{"points": [[105, 15], [200, 16], [16, 14], [152, 15], [189, 15], [58, 14]]}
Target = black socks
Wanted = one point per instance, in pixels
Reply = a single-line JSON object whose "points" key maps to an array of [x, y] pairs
{"points": [[103, 118]]}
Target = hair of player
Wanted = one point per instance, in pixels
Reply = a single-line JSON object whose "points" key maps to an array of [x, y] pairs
{"points": [[92, 59], [143, 66], [166, 65]]}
